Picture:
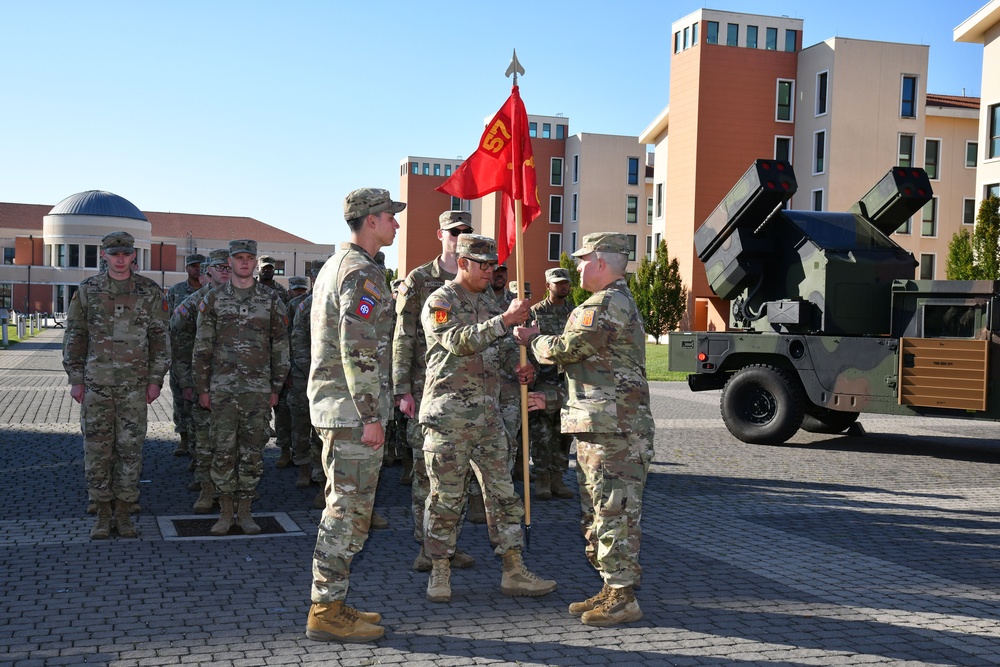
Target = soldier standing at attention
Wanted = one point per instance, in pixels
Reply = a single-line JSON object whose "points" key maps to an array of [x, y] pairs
{"points": [[115, 352], [183, 330], [282, 417], [409, 349], [298, 406], [603, 352], [549, 447], [239, 364], [175, 295], [350, 402], [467, 345], [499, 286]]}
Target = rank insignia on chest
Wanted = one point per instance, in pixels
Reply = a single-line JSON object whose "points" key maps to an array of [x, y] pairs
{"points": [[440, 316], [588, 318], [372, 289], [365, 306], [244, 310], [119, 309]]}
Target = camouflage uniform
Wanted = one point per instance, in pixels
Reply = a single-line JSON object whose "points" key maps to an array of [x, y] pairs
{"points": [[603, 352], [175, 295], [298, 375], [115, 345], [468, 344], [240, 358], [549, 447], [348, 388]]}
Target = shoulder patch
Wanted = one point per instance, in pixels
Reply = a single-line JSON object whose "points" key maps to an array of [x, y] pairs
{"points": [[201, 306], [402, 289], [587, 318], [366, 305], [302, 305], [372, 289], [181, 310], [439, 304], [166, 306], [440, 316]]}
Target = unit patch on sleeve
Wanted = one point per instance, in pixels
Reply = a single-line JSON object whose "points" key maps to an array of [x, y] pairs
{"points": [[440, 316], [365, 306], [588, 318]]}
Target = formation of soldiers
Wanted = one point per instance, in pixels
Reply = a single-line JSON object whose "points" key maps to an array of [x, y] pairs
{"points": [[357, 374]]}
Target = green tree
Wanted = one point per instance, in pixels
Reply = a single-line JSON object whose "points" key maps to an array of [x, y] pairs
{"points": [[659, 293], [577, 294], [986, 240], [960, 264]]}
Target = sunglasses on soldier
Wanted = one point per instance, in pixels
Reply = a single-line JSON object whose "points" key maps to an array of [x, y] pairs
{"points": [[457, 231]]}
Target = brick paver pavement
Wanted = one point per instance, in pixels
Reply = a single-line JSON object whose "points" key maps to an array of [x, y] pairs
{"points": [[832, 550]]}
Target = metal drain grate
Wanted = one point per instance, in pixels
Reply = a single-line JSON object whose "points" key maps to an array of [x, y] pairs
{"points": [[195, 527]]}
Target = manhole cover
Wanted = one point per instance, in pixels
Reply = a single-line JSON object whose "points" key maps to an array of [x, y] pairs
{"points": [[196, 527]]}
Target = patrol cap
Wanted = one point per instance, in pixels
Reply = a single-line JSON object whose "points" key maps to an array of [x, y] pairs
{"points": [[369, 201], [118, 242], [265, 260], [379, 258], [558, 275], [452, 219], [298, 282], [502, 267], [512, 286], [218, 257], [604, 242], [479, 248], [243, 245], [196, 258], [316, 265]]}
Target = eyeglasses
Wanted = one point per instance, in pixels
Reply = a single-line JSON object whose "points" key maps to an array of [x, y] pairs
{"points": [[221, 267], [457, 232], [485, 266]]}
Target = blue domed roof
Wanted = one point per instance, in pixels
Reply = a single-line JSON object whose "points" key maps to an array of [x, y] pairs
{"points": [[98, 202]]}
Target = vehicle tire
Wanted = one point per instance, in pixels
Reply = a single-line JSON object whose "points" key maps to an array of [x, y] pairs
{"points": [[762, 405], [822, 420]]}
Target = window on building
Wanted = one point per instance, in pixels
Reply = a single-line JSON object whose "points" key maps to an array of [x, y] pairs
{"points": [[677, 42], [908, 101], [712, 32], [994, 138], [427, 169], [926, 266], [8, 255], [414, 168], [928, 218], [279, 267], [649, 248], [971, 153], [687, 37], [992, 190], [7, 296], [576, 207], [656, 242], [771, 39], [694, 34], [560, 131], [732, 34], [447, 170], [74, 255], [905, 158], [572, 242], [817, 203], [968, 211], [532, 130], [751, 37], [555, 209], [546, 130], [791, 40], [456, 204], [633, 241], [632, 209], [555, 246], [932, 152], [783, 148], [90, 255], [785, 97], [819, 152], [906, 227], [822, 81], [437, 170], [576, 168], [60, 258], [555, 171], [633, 171], [649, 210], [659, 200]]}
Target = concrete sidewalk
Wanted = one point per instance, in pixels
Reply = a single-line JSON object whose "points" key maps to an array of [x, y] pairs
{"points": [[830, 551]]}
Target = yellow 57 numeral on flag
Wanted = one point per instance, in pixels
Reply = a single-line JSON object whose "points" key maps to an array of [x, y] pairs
{"points": [[493, 143]]}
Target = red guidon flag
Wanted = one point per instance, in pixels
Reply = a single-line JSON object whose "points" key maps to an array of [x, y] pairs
{"points": [[503, 161]]}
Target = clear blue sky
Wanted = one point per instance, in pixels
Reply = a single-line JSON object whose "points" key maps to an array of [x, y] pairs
{"points": [[275, 110]]}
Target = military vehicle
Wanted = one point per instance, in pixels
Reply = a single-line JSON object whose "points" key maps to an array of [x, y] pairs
{"points": [[827, 321]]}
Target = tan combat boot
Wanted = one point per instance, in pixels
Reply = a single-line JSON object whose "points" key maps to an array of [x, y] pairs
{"points": [[558, 486], [207, 498], [378, 521], [477, 509], [133, 508], [305, 476], [194, 485], [245, 518], [285, 459], [225, 521], [182, 448], [406, 479], [336, 622], [619, 606], [102, 527], [422, 563], [519, 581], [439, 581], [462, 560], [123, 522], [577, 608], [543, 483]]}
